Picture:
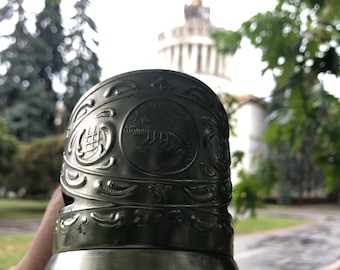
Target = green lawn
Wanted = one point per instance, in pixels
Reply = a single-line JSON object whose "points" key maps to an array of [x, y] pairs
{"points": [[15, 209], [12, 249], [250, 225]]}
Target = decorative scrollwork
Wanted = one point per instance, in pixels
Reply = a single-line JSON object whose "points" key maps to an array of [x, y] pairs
{"points": [[215, 139], [74, 180], [107, 113], [162, 84], [116, 189], [120, 87], [209, 172], [160, 191], [175, 217], [142, 218], [227, 187], [105, 165], [200, 96], [83, 110], [68, 223], [112, 220], [202, 226], [201, 193]]}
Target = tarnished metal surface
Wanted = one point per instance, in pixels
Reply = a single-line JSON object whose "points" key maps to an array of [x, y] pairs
{"points": [[146, 177], [123, 259]]}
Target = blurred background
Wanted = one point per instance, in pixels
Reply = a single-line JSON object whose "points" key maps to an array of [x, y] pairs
{"points": [[273, 63]]}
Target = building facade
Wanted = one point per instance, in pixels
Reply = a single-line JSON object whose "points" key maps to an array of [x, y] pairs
{"points": [[190, 49]]}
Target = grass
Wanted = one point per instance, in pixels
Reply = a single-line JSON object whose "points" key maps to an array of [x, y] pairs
{"points": [[251, 225], [16, 209], [12, 249]]}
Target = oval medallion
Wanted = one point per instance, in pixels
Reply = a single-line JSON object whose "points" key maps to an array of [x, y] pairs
{"points": [[160, 137]]}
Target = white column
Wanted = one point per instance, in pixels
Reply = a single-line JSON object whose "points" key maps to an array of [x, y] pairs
{"points": [[204, 55], [193, 58], [226, 66], [221, 70], [212, 60], [168, 55], [175, 57], [186, 59]]}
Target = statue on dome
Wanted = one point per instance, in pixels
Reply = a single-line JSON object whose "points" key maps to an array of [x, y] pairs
{"points": [[196, 10]]}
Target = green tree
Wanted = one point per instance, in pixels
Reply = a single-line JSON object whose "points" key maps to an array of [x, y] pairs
{"points": [[82, 67], [37, 166], [8, 149], [299, 40], [26, 87], [34, 60]]}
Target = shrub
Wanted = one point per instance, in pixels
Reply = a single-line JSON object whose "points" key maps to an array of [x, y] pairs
{"points": [[38, 165]]}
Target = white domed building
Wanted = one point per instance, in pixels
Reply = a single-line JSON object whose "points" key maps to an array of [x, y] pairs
{"points": [[190, 49]]}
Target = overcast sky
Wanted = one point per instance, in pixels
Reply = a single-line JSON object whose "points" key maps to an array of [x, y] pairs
{"points": [[128, 31]]}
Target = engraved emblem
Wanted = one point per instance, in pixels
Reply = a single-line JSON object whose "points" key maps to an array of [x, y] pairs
{"points": [[160, 137], [93, 143]]}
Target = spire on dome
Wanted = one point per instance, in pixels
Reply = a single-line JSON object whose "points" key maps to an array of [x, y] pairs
{"points": [[196, 10]]}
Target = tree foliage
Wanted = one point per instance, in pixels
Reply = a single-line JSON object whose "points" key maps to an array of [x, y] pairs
{"points": [[8, 149], [299, 40], [82, 70], [36, 60], [37, 166]]}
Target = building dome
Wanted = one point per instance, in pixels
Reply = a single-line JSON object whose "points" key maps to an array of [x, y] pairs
{"points": [[190, 49]]}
